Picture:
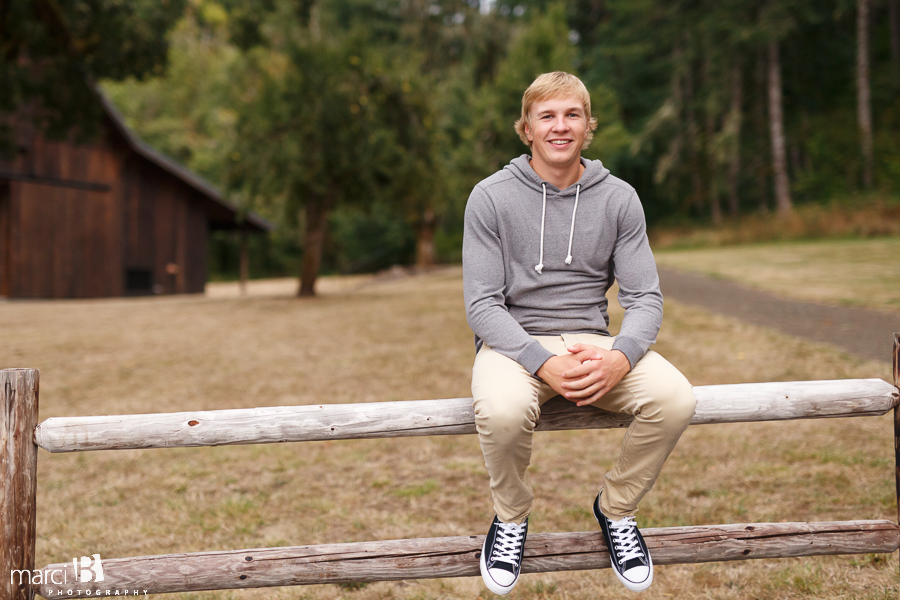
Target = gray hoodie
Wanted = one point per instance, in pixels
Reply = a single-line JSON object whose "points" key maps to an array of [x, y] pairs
{"points": [[538, 260]]}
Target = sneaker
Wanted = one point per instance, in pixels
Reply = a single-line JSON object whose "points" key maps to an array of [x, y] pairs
{"points": [[501, 555], [627, 551]]}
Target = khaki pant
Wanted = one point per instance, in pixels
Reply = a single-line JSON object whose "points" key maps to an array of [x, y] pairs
{"points": [[507, 402]]}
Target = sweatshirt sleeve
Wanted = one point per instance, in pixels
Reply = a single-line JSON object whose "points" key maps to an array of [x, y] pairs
{"points": [[635, 270], [484, 282]]}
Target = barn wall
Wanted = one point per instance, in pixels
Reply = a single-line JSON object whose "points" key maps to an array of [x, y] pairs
{"points": [[5, 231], [65, 241], [165, 229], [79, 221], [196, 245]]}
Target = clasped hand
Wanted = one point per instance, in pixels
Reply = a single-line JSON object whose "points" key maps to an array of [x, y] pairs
{"points": [[586, 374]]}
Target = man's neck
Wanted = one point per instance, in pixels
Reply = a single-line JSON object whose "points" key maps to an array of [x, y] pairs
{"points": [[561, 177]]}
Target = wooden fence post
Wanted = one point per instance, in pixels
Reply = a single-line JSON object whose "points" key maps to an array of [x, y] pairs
{"points": [[896, 363], [18, 481]]}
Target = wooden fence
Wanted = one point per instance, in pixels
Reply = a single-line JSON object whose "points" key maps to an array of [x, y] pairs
{"points": [[20, 436]]}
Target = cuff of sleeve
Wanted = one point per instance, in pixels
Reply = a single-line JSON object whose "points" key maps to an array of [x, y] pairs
{"points": [[630, 347], [533, 356]]}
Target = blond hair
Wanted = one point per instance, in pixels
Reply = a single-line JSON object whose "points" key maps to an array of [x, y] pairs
{"points": [[548, 86]]}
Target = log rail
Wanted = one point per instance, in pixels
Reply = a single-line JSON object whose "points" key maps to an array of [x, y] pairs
{"points": [[402, 559], [715, 404], [458, 557]]}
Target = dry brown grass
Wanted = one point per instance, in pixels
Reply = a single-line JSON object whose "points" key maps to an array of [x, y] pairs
{"points": [[367, 340], [846, 272], [867, 217]]}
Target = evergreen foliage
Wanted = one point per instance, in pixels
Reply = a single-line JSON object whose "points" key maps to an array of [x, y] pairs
{"points": [[360, 126]]}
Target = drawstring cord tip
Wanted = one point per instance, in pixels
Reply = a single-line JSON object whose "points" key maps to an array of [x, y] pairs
{"points": [[569, 259], [539, 268]]}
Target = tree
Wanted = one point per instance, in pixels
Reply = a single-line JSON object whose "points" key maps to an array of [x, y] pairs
{"points": [[894, 27], [863, 95], [335, 120], [421, 45], [776, 131], [691, 137], [533, 49], [52, 49], [189, 112], [733, 130], [700, 104], [302, 139]]}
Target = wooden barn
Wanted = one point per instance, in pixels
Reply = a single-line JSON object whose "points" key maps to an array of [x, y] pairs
{"points": [[112, 218]]}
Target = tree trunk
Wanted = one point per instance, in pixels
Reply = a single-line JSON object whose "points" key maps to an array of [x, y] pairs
{"points": [[712, 188], [692, 135], [678, 98], [712, 179], [735, 118], [759, 116], [894, 18], [671, 160], [425, 240], [317, 208], [863, 101], [776, 129]]}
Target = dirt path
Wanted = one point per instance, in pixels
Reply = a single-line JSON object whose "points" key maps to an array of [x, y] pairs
{"points": [[863, 332]]}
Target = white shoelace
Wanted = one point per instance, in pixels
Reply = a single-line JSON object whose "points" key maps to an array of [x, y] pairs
{"points": [[540, 266], [509, 540], [624, 533]]}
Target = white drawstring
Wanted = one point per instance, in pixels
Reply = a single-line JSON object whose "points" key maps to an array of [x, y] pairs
{"points": [[540, 266], [572, 229]]}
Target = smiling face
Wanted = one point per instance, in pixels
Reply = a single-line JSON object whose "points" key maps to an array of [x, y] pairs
{"points": [[556, 129]]}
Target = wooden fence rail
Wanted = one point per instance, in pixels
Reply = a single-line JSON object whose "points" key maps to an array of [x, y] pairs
{"points": [[715, 404], [20, 436], [458, 557]]}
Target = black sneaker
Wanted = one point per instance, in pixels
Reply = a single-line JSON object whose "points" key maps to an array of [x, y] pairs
{"points": [[501, 555], [628, 553]]}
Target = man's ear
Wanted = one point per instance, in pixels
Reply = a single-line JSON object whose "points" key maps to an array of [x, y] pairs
{"points": [[527, 129]]}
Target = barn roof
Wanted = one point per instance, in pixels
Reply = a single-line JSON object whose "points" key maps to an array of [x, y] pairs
{"points": [[224, 214]]}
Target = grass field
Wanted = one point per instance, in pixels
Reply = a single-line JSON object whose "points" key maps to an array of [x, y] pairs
{"points": [[365, 340], [860, 272]]}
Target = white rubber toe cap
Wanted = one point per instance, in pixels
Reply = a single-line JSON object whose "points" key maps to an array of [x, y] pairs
{"points": [[637, 579], [499, 581], [502, 577]]}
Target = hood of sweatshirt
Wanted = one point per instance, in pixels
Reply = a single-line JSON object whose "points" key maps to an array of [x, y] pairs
{"points": [[594, 173]]}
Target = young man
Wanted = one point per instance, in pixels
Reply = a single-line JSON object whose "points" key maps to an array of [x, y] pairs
{"points": [[545, 238]]}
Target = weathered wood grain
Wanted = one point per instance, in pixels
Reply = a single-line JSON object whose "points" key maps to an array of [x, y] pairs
{"points": [[18, 480], [458, 557], [715, 404], [897, 423], [896, 360]]}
